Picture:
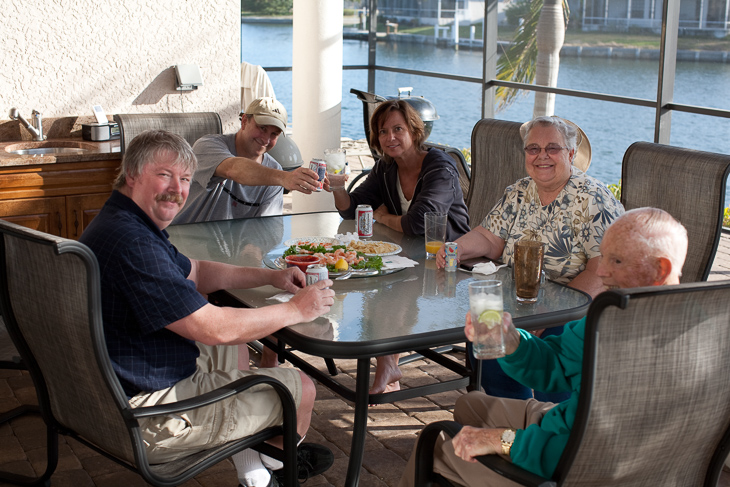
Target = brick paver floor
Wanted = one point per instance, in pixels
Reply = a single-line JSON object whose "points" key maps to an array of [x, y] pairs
{"points": [[392, 429]]}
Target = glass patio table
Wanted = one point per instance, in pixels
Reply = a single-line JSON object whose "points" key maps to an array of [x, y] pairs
{"points": [[416, 309]]}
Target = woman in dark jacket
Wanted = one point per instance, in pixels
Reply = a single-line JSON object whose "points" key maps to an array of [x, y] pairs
{"points": [[405, 183], [408, 180]]}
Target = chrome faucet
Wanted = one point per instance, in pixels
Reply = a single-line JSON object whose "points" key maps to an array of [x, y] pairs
{"points": [[36, 129]]}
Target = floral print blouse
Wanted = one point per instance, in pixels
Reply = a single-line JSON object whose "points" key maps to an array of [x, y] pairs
{"points": [[572, 225]]}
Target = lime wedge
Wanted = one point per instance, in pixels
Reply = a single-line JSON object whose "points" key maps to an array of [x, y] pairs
{"points": [[490, 317]]}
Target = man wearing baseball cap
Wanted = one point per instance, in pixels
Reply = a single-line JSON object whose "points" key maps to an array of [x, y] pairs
{"points": [[236, 178]]}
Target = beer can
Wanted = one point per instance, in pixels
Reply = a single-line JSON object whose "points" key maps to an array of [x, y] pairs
{"points": [[320, 167], [316, 273], [450, 249], [364, 220]]}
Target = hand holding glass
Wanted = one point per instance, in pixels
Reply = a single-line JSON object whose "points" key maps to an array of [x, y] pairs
{"points": [[435, 232], [486, 309], [335, 160]]}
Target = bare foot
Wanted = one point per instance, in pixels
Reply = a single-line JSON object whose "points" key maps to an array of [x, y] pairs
{"points": [[269, 359], [387, 375]]}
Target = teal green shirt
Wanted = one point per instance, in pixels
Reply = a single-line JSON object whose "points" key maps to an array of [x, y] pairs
{"points": [[551, 365]]}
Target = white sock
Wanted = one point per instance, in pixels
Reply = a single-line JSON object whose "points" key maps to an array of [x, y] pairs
{"points": [[274, 464], [251, 472], [271, 463]]}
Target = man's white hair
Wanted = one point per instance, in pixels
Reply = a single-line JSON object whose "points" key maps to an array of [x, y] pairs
{"points": [[656, 234]]}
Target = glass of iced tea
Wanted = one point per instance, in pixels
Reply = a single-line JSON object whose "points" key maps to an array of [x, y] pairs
{"points": [[528, 257]]}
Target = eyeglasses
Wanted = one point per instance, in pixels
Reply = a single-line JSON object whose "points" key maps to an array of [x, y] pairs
{"points": [[551, 150]]}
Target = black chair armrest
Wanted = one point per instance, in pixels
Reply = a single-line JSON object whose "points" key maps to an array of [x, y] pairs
{"points": [[424, 459], [513, 472], [363, 174], [217, 395], [425, 475]]}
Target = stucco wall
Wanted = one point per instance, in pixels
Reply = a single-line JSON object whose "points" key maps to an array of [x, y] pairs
{"points": [[63, 56]]}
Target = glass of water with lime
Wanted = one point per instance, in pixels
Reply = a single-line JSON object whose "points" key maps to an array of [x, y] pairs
{"points": [[486, 307], [335, 159]]}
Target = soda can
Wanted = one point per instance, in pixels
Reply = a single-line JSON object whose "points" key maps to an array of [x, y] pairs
{"points": [[316, 273], [320, 167], [364, 220], [450, 249]]}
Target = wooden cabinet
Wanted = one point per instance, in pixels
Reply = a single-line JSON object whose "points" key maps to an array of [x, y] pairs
{"points": [[60, 199]]}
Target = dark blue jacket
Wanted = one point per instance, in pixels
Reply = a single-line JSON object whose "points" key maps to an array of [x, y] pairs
{"points": [[437, 189]]}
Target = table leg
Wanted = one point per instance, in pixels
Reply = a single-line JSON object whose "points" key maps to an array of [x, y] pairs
{"points": [[359, 430], [475, 378]]}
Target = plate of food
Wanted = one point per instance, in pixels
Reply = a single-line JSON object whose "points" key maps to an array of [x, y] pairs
{"points": [[325, 241], [372, 249], [338, 258]]}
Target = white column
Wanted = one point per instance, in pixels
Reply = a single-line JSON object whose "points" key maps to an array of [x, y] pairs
{"points": [[550, 37], [316, 87]]}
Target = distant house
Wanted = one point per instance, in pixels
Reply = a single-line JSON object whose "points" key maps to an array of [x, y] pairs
{"points": [[696, 16], [433, 12]]}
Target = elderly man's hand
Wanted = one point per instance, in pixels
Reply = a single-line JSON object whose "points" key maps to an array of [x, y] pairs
{"points": [[301, 179], [472, 442], [511, 335], [314, 300], [291, 279]]}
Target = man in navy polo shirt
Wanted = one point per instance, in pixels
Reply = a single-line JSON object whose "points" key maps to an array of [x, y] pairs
{"points": [[154, 312]]}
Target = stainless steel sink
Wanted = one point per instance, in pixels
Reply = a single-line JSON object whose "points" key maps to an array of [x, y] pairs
{"points": [[48, 150], [48, 147]]}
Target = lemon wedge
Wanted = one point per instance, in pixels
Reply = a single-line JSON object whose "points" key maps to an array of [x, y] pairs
{"points": [[341, 264], [490, 318]]}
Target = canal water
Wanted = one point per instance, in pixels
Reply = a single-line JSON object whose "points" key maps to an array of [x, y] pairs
{"points": [[610, 127]]}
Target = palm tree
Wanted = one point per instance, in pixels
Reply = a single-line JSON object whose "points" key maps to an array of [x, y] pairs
{"points": [[535, 53]]}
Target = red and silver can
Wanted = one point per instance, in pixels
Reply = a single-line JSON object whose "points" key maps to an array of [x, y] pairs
{"points": [[316, 273], [320, 167], [451, 261], [364, 220]]}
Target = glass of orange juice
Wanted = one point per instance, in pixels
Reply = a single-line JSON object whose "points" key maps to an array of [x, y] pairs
{"points": [[435, 232]]}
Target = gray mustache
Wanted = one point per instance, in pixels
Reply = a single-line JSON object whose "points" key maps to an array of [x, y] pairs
{"points": [[176, 198]]}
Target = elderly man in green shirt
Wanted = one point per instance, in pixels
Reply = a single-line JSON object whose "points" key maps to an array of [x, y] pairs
{"points": [[643, 247]]}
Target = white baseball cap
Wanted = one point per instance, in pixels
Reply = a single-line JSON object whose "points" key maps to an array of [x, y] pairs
{"points": [[268, 111]]}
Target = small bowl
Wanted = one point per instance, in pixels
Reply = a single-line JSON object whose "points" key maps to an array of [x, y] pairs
{"points": [[301, 261]]}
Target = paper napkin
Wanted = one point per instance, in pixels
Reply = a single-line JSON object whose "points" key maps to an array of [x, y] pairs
{"points": [[282, 297], [486, 268], [397, 262]]}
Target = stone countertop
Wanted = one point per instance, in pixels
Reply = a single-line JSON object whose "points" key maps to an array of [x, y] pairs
{"points": [[93, 151]]}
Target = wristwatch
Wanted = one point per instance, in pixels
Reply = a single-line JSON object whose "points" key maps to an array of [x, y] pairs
{"points": [[507, 438]]}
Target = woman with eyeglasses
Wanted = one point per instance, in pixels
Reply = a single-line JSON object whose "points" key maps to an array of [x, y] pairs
{"points": [[557, 204]]}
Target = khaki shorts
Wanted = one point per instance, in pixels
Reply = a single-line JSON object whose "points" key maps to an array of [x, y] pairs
{"points": [[171, 437]]}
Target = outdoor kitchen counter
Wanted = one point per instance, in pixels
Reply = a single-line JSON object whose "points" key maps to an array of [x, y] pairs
{"points": [[93, 151]]}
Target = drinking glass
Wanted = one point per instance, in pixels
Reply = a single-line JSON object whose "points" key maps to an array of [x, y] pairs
{"points": [[528, 258], [486, 307], [435, 232], [335, 160]]}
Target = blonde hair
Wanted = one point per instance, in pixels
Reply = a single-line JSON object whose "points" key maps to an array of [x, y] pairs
{"points": [[147, 147]]}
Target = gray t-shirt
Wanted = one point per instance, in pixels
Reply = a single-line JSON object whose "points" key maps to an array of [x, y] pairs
{"points": [[214, 198]]}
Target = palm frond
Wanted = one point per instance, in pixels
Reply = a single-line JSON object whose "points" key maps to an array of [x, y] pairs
{"points": [[519, 59]]}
